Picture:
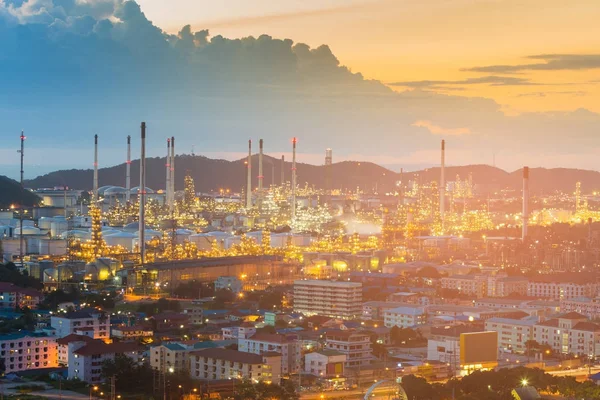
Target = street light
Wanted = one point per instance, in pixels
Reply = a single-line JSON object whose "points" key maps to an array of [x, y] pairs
{"points": [[524, 382]]}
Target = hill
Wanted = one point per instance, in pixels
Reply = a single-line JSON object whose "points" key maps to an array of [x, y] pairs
{"points": [[12, 194], [211, 174]]}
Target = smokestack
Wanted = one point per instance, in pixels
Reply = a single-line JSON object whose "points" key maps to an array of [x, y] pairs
{"points": [[260, 168], [525, 202], [282, 170], [443, 184], [128, 171], [95, 195], [294, 140], [249, 185], [142, 195], [168, 181], [172, 163]]}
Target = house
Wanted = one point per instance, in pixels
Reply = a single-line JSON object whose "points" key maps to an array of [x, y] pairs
{"points": [[243, 331], [68, 323], [136, 332], [325, 363], [405, 317], [169, 321], [525, 393], [354, 344], [85, 359], [216, 364]]}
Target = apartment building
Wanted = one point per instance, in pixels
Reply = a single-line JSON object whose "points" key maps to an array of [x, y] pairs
{"points": [[25, 351], [569, 333], [218, 364], [85, 320], [63, 346], [170, 357], [85, 359], [354, 344], [590, 307], [504, 286], [328, 298], [130, 333], [12, 296], [243, 331], [405, 317], [563, 286], [287, 345], [374, 310], [470, 285], [513, 334]]}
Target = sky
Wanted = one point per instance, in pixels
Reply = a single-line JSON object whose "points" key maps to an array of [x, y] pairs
{"points": [[516, 81]]}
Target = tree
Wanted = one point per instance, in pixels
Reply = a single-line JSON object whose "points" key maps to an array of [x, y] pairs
{"points": [[130, 377]]}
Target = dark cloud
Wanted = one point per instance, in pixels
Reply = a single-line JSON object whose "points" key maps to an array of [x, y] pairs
{"points": [[551, 62], [484, 80]]}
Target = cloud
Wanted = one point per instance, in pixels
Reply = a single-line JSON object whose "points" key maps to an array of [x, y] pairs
{"points": [[551, 62], [438, 130], [484, 80], [544, 94]]}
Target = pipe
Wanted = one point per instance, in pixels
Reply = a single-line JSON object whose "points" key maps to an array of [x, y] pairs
{"points": [[443, 184], [172, 204], [294, 141], [95, 194], [282, 170], [21, 210], [142, 195], [168, 165], [525, 202], [128, 171], [260, 167], [249, 184]]}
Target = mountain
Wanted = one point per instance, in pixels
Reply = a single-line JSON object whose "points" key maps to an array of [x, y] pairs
{"points": [[12, 194], [211, 174]]}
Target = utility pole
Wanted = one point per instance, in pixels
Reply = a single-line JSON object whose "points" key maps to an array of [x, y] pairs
{"points": [[22, 151]]}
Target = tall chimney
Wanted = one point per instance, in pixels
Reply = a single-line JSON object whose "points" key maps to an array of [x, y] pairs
{"points": [[128, 171], [525, 202], [168, 181], [172, 163], [142, 196], [294, 141], [260, 168], [282, 170], [249, 184], [443, 184], [95, 195]]}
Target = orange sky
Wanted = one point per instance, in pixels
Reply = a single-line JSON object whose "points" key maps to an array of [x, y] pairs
{"points": [[415, 40]]}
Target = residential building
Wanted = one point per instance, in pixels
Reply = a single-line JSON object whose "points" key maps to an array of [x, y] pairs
{"points": [[12, 296], [86, 360], [68, 323], [354, 344], [328, 298], [168, 321], [243, 331], [63, 346], [374, 310], [23, 351], [513, 334], [443, 344], [325, 363], [195, 311], [218, 364], [558, 333], [590, 307], [229, 283], [170, 357], [136, 332], [563, 286], [470, 285], [287, 345], [504, 286], [405, 317]]}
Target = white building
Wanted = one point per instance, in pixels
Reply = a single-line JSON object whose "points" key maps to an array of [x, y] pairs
{"points": [[66, 324], [220, 364], [570, 333], [513, 334], [405, 317], [328, 298], [289, 347], [325, 363], [243, 331], [590, 307], [229, 282], [470, 285], [63, 346], [560, 287], [85, 360], [170, 357], [25, 351], [355, 345]]}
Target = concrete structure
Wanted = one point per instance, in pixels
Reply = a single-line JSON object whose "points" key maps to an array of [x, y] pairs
{"points": [[25, 351], [405, 317], [217, 364], [85, 360], [287, 346], [505, 286], [195, 311], [328, 298], [443, 344], [12, 296], [355, 345], [325, 363], [68, 323], [513, 334]]}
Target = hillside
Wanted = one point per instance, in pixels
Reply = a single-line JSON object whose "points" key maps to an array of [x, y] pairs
{"points": [[210, 174], [12, 194]]}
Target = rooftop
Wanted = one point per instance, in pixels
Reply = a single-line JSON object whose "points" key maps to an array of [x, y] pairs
{"points": [[229, 355], [99, 347], [317, 282]]}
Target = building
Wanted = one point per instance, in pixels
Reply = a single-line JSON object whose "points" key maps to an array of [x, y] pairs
{"points": [[325, 363], [25, 351], [563, 286], [169, 321], [355, 345], [12, 297], [170, 357], [470, 285], [137, 332], [289, 347], [513, 334], [195, 311], [590, 307], [328, 298], [405, 317], [444, 343], [70, 322], [569, 333], [229, 283], [218, 364], [374, 310], [63, 346], [85, 360], [243, 331], [478, 351], [507, 285]]}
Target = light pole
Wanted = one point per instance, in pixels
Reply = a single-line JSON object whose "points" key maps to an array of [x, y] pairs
{"points": [[92, 389]]}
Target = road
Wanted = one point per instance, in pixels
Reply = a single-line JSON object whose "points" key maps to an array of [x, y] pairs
{"points": [[379, 393]]}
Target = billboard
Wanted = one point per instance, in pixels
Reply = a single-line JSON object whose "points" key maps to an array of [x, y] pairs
{"points": [[478, 348]]}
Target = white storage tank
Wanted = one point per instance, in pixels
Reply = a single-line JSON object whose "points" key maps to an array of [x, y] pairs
{"points": [[27, 231], [202, 241], [181, 235], [301, 240], [279, 239], [50, 275], [45, 223], [232, 240], [123, 239], [58, 227]]}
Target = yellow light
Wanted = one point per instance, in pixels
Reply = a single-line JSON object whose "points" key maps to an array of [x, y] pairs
{"points": [[524, 382]]}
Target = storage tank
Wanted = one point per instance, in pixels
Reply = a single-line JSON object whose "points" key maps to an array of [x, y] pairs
{"points": [[27, 231], [301, 240], [202, 241], [50, 275], [58, 227], [123, 239], [65, 272], [45, 223], [232, 240], [279, 239], [182, 235]]}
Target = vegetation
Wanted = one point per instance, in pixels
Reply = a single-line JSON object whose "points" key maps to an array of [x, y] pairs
{"points": [[130, 377], [159, 306], [406, 337], [10, 273], [11, 193], [247, 390]]}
